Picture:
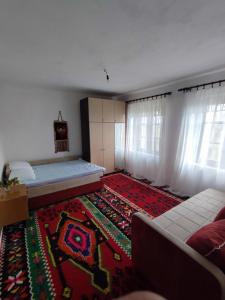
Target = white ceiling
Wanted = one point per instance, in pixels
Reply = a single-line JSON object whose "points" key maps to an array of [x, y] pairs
{"points": [[68, 43]]}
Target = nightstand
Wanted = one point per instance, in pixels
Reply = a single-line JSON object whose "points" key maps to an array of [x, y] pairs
{"points": [[13, 205]]}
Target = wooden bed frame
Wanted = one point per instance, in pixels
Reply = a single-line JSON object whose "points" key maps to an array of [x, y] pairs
{"points": [[53, 160], [37, 191], [40, 196]]}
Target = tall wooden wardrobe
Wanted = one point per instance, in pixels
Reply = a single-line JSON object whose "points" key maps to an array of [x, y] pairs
{"points": [[98, 122]]}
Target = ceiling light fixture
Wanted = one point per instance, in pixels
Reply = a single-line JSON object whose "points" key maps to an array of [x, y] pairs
{"points": [[107, 75]]}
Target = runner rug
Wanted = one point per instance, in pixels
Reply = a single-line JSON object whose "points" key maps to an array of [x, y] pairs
{"points": [[80, 248], [150, 199]]}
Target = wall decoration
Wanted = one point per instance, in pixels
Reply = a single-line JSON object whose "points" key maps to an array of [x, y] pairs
{"points": [[61, 134]]}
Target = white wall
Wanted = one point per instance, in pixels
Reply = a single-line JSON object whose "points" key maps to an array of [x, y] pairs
{"points": [[2, 158], [26, 122]]}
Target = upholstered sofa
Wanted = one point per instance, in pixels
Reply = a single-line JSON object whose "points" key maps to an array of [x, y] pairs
{"points": [[163, 259]]}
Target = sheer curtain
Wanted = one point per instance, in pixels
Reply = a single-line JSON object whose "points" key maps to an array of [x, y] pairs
{"points": [[145, 139], [200, 158], [119, 145]]}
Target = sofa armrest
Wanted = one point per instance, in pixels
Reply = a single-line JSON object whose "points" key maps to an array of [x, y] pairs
{"points": [[172, 267]]}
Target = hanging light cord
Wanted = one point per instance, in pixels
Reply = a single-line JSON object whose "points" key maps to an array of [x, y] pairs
{"points": [[107, 75]]}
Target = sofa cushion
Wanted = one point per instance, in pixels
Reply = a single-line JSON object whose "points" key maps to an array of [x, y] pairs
{"points": [[210, 242], [190, 215], [220, 215]]}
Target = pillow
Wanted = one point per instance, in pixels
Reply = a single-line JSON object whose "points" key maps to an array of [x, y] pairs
{"points": [[210, 242], [22, 170], [18, 165], [23, 174], [220, 215]]}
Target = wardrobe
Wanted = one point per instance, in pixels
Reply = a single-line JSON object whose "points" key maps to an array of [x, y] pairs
{"points": [[103, 132]]}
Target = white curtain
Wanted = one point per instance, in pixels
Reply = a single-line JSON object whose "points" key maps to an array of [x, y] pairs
{"points": [[145, 139], [200, 158], [119, 145]]}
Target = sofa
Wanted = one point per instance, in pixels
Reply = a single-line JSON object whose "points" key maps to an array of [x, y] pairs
{"points": [[163, 260]]}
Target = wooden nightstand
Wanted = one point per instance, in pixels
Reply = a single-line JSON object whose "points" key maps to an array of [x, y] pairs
{"points": [[13, 205]]}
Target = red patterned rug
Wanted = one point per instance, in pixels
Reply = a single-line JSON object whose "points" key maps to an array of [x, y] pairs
{"points": [[80, 248], [152, 200]]}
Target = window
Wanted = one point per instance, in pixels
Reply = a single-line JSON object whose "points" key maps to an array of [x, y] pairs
{"points": [[212, 147], [145, 140], [143, 134], [157, 132], [147, 131], [119, 145]]}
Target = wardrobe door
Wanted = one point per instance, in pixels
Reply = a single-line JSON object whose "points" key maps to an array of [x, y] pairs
{"points": [[119, 111], [96, 143], [95, 110], [108, 110], [109, 146]]}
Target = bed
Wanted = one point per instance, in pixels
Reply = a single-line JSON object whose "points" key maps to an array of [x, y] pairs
{"points": [[57, 181]]}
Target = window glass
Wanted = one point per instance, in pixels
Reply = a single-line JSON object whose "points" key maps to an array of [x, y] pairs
{"points": [[212, 146]]}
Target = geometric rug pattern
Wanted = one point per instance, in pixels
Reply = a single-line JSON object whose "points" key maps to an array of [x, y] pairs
{"points": [[79, 248], [152, 200]]}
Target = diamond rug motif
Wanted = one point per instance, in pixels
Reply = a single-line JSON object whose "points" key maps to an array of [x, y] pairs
{"points": [[79, 248]]}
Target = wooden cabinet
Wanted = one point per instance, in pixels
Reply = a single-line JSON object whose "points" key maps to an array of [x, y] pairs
{"points": [[101, 110], [108, 110], [98, 117], [95, 110], [13, 205], [96, 143]]}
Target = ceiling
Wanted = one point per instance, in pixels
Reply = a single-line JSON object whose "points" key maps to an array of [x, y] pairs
{"points": [[68, 43]]}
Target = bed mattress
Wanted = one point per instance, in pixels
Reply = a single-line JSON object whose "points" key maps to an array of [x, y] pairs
{"points": [[58, 172]]}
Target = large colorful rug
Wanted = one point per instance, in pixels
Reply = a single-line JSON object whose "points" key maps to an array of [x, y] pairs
{"points": [[80, 248]]}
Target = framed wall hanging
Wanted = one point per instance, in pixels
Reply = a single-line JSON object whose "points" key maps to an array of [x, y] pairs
{"points": [[61, 134]]}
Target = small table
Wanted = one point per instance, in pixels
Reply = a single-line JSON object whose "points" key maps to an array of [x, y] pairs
{"points": [[13, 205]]}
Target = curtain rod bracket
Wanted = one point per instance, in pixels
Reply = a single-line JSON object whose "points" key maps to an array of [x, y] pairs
{"points": [[151, 97], [213, 83]]}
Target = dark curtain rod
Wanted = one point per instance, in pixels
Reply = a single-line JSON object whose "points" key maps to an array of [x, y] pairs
{"points": [[188, 89], [150, 97]]}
